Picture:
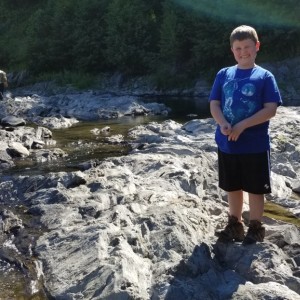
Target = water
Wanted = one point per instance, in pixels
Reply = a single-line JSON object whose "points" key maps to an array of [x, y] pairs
{"points": [[183, 107], [15, 285], [82, 145]]}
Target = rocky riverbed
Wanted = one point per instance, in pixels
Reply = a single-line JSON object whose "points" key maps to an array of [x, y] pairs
{"points": [[141, 226]]}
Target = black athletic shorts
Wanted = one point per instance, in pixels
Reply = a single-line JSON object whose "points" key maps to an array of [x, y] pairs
{"points": [[247, 172]]}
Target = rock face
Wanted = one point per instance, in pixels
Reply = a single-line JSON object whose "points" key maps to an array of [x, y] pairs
{"points": [[287, 75], [142, 226], [63, 110]]}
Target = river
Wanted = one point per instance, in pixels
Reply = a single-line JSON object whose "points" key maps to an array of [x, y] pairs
{"points": [[82, 145]]}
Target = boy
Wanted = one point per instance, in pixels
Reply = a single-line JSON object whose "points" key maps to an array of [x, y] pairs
{"points": [[243, 99], [3, 83]]}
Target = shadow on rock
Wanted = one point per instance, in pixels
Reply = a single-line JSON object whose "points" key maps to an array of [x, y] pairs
{"points": [[203, 277], [232, 271]]}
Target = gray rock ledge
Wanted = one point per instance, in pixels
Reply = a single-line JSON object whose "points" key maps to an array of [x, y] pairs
{"points": [[142, 226]]}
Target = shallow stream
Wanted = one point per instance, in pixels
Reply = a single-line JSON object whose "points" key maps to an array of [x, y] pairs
{"points": [[82, 145]]}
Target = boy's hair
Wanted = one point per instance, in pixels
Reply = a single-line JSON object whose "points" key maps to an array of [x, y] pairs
{"points": [[243, 32]]}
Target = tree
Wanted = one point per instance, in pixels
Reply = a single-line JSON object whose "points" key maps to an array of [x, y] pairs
{"points": [[88, 37], [130, 27], [50, 32], [169, 42]]}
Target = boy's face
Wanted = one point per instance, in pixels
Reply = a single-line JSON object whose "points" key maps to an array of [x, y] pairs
{"points": [[245, 53]]}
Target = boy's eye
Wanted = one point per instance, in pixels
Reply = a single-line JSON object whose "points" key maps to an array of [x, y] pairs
{"points": [[239, 48]]}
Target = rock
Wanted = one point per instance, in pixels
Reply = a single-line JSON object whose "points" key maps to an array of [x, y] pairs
{"points": [[12, 121], [115, 139], [55, 122], [288, 235], [141, 226], [22, 142], [37, 144], [43, 133], [105, 129], [95, 131], [9, 222], [43, 155], [270, 290], [6, 160], [296, 187], [17, 150]]}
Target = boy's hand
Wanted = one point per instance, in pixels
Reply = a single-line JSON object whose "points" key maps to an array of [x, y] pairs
{"points": [[236, 130], [225, 128]]}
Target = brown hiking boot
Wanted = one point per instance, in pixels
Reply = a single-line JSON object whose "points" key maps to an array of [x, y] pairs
{"points": [[255, 233], [234, 231]]}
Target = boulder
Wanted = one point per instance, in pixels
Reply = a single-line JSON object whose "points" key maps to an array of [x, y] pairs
{"points": [[12, 121]]}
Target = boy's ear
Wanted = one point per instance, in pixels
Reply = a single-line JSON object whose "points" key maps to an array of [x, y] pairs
{"points": [[257, 46]]}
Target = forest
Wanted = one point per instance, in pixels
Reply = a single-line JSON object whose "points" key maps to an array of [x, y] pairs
{"points": [[171, 41]]}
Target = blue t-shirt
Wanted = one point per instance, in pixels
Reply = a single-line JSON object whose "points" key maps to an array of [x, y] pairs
{"points": [[242, 93]]}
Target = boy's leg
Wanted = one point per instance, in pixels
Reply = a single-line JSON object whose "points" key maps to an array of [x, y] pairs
{"points": [[256, 205], [230, 181], [235, 201], [234, 230], [256, 232]]}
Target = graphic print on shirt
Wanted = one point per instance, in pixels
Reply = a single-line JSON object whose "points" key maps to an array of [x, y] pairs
{"points": [[240, 101]]}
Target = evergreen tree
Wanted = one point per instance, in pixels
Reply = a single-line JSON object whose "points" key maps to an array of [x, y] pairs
{"points": [[130, 31]]}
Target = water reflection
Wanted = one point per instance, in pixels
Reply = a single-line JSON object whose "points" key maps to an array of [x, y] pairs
{"points": [[183, 107]]}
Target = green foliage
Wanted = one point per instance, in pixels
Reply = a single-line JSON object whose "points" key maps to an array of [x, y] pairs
{"points": [[13, 41], [67, 35], [165, 79], [208, 52], [169, 42], [88, 36], [130, 36], [172, 40], [177, 37], [55, 21]]}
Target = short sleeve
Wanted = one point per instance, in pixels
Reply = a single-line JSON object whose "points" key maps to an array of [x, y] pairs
{"points": [[216, 91], [271, 91]]}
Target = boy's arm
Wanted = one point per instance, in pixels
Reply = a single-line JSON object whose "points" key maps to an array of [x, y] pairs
{"points": [[263, 115], [216, 112]]}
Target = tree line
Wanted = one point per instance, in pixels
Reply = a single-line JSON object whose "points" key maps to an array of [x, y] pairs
{"points": [[172, 40]]}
